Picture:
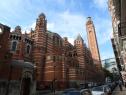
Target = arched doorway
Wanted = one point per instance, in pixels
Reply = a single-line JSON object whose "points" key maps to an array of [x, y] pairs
{"points": [[26, 86], [26, 83]]}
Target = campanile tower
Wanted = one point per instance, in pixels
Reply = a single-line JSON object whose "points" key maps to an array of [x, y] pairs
{"points": [[92, 42]]}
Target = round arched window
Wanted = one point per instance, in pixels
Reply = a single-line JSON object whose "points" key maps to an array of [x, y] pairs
{"points": [[28, 49], [14, 45]]}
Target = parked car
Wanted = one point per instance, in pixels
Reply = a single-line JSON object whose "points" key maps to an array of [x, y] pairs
{"points": [[86, 92], [68, 90], [111, 86], [101, 90], [82, 92]]}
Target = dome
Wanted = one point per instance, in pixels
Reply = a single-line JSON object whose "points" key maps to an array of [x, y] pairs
{"points": [[89, 20], [42, 15], [17, 29]]}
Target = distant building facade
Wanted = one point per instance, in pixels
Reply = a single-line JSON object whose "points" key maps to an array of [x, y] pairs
{"points": [[110, 65], [55, 60]]}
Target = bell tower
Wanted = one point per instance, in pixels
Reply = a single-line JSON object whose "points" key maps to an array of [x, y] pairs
{"points": [[79, 45], [92, 42]]}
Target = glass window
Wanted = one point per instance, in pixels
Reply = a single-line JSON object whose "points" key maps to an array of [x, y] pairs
{"points": [[54, 58], [86, 92], [97, 89], [14, 45], [124, 45]]}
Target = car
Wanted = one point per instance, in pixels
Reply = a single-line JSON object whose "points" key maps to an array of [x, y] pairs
{"points": [[101, 90], [72, 93], [86, 92], [68, 90], [111, 86], [82, 92]]}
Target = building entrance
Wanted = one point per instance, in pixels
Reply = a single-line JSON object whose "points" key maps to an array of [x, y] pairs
{"points": [[26, 86]]}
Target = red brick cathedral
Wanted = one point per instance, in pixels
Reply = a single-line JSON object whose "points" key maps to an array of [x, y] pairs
{"points": [[55, 60]]}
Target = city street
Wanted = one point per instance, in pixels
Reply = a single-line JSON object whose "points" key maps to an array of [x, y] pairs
{"points": [[62, 47]]}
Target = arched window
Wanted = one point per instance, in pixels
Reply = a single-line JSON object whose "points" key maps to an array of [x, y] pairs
{"points": [[54, 58], [14, 45], [28, 49]]}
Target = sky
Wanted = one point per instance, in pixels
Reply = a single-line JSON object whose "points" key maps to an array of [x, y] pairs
{"points": [[65, 17]]}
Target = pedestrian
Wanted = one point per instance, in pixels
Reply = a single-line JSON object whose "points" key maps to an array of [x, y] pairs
{"points": [[120, 85], [125, 84]]}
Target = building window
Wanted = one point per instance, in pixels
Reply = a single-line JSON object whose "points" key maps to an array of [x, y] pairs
{"points": [[48, 57], [54, 58], [11, 36], [124, 45], [28, 49], [56, 41], [14, 45], [14, 37], [89, 31]]}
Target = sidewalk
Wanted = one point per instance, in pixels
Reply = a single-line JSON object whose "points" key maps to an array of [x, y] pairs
{"points": [[118, 92]]}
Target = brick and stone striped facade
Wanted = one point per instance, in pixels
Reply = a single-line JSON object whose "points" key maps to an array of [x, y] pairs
{"points": [[55, 59], [92, 42], [93, 46]]}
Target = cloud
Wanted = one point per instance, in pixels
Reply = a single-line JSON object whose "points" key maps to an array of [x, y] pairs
{"points": [[50, 26], [12, 29], [33, 25], [28, 28], [60, 1], [65, 17], [71, 40], [68, 24], [101, 4], [103, 29]]}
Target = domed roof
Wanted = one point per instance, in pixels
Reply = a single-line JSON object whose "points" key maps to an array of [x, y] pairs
{"points": [[42, 15], [89, 20], [18, 29]]}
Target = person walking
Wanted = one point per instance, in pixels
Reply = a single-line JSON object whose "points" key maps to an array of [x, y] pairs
{"points": [[120, 85], [125, 83]]}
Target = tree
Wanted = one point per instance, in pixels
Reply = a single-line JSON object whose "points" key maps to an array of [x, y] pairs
{"points": [[108, 74]]}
